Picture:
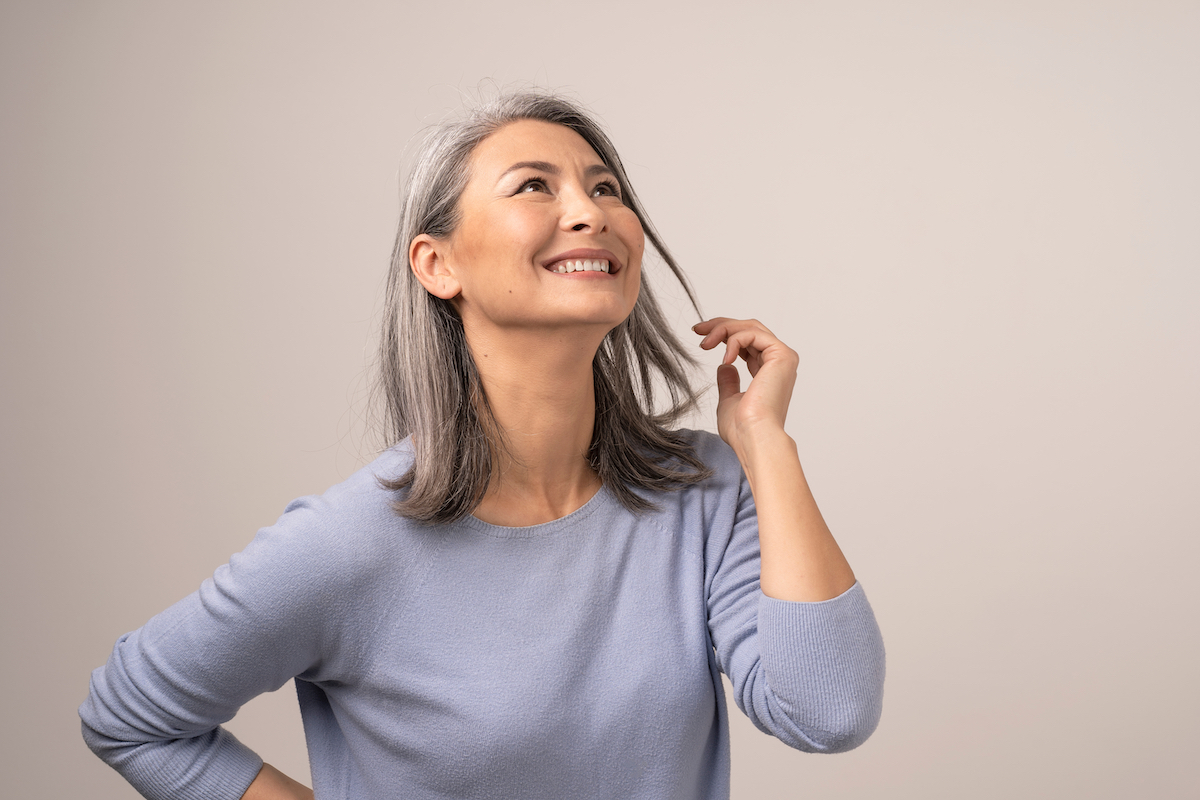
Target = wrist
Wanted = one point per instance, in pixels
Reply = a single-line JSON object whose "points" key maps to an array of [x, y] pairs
{"points": [[763, 446]]}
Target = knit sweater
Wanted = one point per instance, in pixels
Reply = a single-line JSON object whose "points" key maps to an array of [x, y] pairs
{"points": [[578, 658]]}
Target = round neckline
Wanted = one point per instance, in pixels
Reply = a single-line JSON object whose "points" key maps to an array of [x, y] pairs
{"points": [[597, 501]]}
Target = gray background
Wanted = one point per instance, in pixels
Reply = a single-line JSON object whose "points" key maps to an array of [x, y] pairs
{"points": [[978, 223]]}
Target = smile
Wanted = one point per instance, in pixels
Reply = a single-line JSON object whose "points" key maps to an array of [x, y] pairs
{"points": [[583, 259], [582, 265]]}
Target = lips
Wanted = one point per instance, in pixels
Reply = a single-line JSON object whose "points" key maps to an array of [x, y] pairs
{"points": [[583, 260]]}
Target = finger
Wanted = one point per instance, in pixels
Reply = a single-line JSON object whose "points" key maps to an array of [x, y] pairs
{"points": [[729, 383], [706, 325], [754, 360], [714, 332], [755, 346], [737, 325], [719, 329], [732, 350]]}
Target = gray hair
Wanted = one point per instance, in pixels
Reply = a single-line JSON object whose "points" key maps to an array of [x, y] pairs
{"points": [[428, 379]]}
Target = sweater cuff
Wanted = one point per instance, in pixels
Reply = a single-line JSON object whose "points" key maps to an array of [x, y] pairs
{"points": [[213, 766], [824, 660]]}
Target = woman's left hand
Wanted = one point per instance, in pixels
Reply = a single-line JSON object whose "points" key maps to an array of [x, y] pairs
{"points": [[762, 408], [800, 559]]}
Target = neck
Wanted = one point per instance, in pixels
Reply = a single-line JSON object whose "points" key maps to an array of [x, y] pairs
{"points": [[540, 389]]}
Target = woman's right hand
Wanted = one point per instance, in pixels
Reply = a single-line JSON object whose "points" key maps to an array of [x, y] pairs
{"points": [[271, 784]]}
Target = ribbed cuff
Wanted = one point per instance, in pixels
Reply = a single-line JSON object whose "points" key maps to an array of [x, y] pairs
{"points": [[824, 661], [215, 766]]}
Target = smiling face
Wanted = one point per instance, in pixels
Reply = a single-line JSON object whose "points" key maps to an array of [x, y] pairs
{"points": [[544, 240]]}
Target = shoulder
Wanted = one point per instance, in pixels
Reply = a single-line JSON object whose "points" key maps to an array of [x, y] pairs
{"points": [[350, 529], [718, 457], [710, 447], [361, 498], [713, 501]]}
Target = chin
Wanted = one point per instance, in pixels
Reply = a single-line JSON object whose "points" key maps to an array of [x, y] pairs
{"points": [[606, 320]]}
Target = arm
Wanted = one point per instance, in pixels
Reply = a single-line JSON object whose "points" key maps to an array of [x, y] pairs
{"points": [[791, 628], [271, 784], [801, 561], [156, 708]]}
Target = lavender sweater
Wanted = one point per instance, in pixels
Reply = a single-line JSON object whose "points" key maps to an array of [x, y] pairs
{"points": [[579, 658]]}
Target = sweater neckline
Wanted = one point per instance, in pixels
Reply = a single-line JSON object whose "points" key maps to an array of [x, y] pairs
{"points": [[569, 522]]}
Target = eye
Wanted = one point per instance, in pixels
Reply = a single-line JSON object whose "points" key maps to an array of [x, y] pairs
{"points": [[606, 189], [533, 185]]}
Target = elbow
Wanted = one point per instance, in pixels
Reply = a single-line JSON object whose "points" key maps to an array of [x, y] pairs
{"points": [[103, 745], [856, 716], [830, 715], [848, 710], [111, 728], [834, 728], [847, 730]]}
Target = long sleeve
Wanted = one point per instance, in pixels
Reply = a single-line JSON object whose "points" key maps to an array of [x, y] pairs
{"points": [[810, 674], [155, 709]]}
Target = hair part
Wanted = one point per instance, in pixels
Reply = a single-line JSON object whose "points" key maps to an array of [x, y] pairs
{"points": [[428, 380]]}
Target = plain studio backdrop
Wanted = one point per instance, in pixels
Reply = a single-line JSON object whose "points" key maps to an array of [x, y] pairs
{"points": [[978, 223]]}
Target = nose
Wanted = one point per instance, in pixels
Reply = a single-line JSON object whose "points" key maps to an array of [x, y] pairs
{"points": [[582, 213]]}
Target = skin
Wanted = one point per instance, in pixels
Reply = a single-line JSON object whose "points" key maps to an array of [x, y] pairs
{"points": [[271, 784], [801, 561], [533, 334]]}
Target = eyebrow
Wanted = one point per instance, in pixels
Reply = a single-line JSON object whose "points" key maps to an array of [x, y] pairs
{"points": [[546, 166]]}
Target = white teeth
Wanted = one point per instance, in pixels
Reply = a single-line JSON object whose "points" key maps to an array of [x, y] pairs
{"points": [[588, 265]]}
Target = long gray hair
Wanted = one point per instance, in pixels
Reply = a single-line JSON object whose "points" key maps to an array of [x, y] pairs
{"points": [[428, 379]]}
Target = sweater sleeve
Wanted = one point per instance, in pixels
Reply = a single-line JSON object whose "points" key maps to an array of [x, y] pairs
{"points": [[155, 709], [810, 674]]}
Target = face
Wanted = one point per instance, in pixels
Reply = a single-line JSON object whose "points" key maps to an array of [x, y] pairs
{"points": [[544, 240]]}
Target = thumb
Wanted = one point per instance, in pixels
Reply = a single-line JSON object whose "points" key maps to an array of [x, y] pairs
{"points": [[729, 382]]}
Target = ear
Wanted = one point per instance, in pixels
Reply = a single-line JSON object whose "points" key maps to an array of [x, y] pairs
{"points": [[427, 257]]}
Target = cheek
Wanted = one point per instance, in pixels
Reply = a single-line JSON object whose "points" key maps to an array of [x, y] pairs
{"points": [[499, 238], [526, 231], [634, 238], [630, 232]]}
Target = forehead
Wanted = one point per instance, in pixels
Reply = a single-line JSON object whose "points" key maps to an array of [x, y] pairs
{"points": [[531, 140]]}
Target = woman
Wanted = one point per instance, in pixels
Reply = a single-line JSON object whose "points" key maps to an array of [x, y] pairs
{"points": [[533, 592]]}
